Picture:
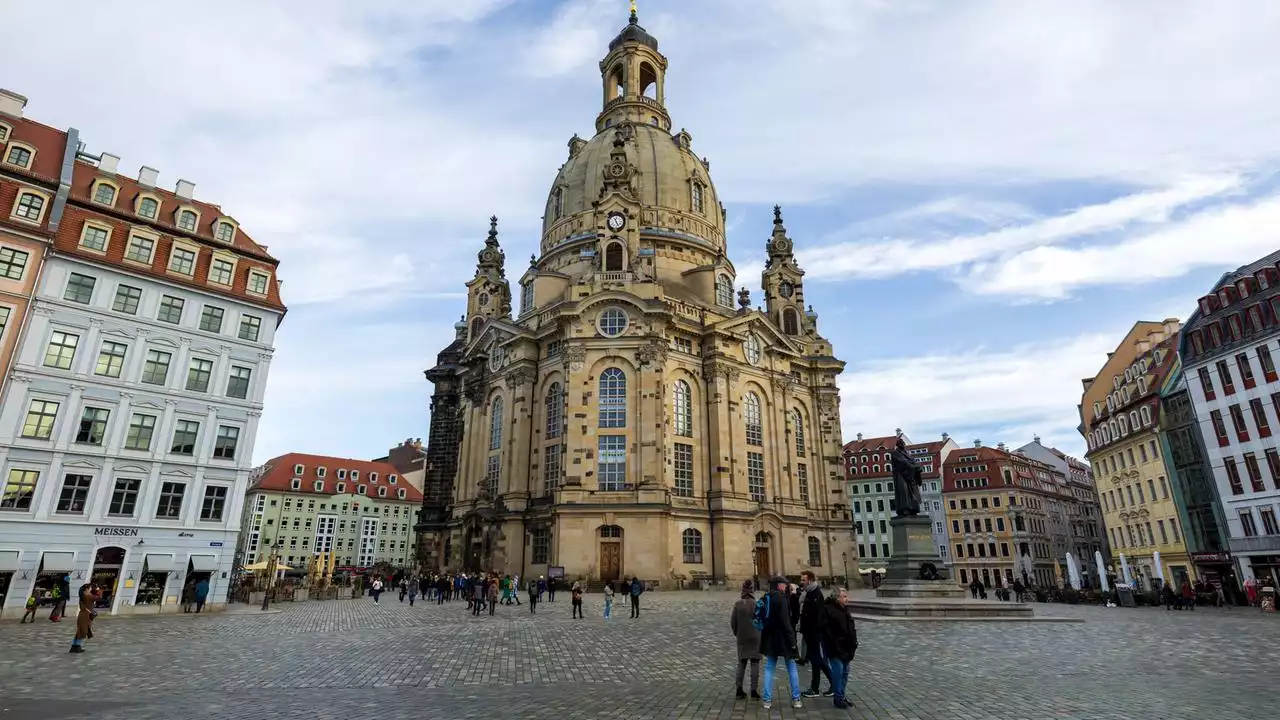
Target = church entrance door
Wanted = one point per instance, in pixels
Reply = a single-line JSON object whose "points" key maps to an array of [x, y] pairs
{"points": [[762, 563], [610, 561]]}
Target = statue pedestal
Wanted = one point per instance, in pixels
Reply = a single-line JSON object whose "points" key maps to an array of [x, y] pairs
{"points": [[912, 548]]}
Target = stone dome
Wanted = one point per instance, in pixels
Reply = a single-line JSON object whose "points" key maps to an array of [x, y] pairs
{"points": [[669, 180]]}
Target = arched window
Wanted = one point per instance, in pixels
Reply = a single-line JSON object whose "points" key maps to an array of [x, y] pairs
{"points": [[495, 425], [611, 532], [751, 414], [619, 84], [763, 538], [697, 197], [187, 220], [815, 552], [724, 291], [691, 542], [682, 403], [613, 399], [1145, 413], [476, 324], [798, 420], [555, 411], [648, 81], [790, 322], [613, 257], [557, 204]]}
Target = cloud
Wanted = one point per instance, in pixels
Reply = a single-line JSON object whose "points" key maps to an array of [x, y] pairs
{"points": [[990, 394], [574, 39]]}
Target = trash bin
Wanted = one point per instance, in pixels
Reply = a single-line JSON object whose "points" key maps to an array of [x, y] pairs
{"points": [[1267, 599]]}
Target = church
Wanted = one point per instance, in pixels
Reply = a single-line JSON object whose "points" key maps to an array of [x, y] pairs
{"points": [[632, 415]]}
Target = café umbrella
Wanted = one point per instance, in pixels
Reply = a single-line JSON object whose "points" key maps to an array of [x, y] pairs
{"points": [[1124, 570], [1102, 571], [1159, 567], [1073, 572], [266, 565]]}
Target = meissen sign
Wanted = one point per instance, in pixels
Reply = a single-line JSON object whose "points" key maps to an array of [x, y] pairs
{"points": [[117, 531]]}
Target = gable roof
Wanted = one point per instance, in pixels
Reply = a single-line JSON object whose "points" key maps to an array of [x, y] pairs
{"points": [[756, 320], [277, 474]]}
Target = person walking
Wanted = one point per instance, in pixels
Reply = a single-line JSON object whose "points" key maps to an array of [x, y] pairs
{"points": [[477, 597], [413, 591], [551, 589], [85, 614], [201, 593], [840, 643], [515, 589], [32, 604], [493, 594], [744, 629], [812, 616], [533, 597], [637, 587], [608, 600], [778, 642], [576, 595], [376, 589]]}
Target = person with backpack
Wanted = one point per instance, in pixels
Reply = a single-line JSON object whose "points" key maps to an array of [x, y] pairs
{"points": [[777, 640], [839, 643], [637, 587], [812, 616], [741, 621]]}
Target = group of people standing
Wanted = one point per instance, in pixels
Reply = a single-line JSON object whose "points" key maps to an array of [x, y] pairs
{"points": [[486, 591], [794, 625]]}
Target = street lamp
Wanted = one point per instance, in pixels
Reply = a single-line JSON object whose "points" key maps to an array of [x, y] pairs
{"points": [[845, 556], [274, 559]]}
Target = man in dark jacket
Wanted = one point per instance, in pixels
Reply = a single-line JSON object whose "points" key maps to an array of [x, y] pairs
{"points": [[812, 616], [839, 642], [778, 640]]}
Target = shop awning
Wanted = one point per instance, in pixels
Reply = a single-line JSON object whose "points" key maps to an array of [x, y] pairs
{"points": [[58, 562], [204, 563], [9, 560], [159, 563]]}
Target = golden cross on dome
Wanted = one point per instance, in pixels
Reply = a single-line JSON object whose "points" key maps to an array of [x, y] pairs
{"points": [[633, 8]]}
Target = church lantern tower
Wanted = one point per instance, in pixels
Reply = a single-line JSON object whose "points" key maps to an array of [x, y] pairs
{"points": [[488, 293], [782, 282]]}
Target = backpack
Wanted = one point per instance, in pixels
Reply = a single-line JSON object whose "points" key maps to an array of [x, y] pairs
{"points": [[761, 614]]}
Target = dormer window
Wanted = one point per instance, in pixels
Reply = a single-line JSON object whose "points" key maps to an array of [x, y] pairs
{"points": [[355, 474], [94, 237], [104, 193], [320, 471], [29, 207], [373, 477], [257, 284], [724, 291], [148, 207], [392, 478], [341, 488], [221, 271], [401, 493], [298, 469], [20, 155], [295, 484], [187, 220], [361, 490], [226, 232], [319, 486], [4, 132], [382, 492], [342, 474], [182, 260]]}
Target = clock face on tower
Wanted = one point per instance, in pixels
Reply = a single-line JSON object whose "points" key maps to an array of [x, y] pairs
{"points": [[616, 221], [786, 289]]}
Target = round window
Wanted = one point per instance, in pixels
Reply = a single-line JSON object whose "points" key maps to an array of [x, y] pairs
{"points": [[752, 349], [496, 356], [483, 299], [613, 322]]}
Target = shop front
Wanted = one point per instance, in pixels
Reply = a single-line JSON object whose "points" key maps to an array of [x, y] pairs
{"points": [[1264, 567], [141, 570], [1213, 567]]}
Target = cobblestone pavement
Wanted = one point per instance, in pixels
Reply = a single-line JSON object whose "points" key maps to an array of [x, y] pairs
{"points": [[354, 659]]}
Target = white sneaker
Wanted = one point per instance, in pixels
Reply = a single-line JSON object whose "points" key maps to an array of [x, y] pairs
{"points": [[766, 704], [796, 704]]}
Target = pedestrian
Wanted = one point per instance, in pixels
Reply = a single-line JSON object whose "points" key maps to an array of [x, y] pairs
{"points": [[188, 597], [551, 589], [812, 615], [85, 614], [493, 594], [477, 597], [413, 592], [778, 642], [59, 603], [637, 587], [201, 594], [840, 643], [608, 600], [515, 589], [740, 622], [32, 604], [404, 588], [576, 594], [376, 589], [533, 597]]}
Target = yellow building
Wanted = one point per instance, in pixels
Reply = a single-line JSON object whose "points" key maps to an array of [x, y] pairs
{"points": [[360, 511], [1120, 415]]}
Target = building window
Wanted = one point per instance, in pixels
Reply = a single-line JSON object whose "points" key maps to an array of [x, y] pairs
{"points": [[1206, 384], [1219, 428], [124, 497], [755, 476], [754, 424], [613, 322], [526, 297], [815, 552], [493, 473], [41, 415], [19, 156], [798, 420], [1255, 473], [1246, 370], [724, 291], [221, 272], [557, 204], [211, 319], [611, 467], [104, 194], [1269, 526], [30, 207], [554, 404], [1233, 475], [697, 197], [226, 232], [1260, 417], [61, 351], [541, 542], [170, 309], [140, 249], [1267, 362], [170, 503], [683, 465], [250, 327], [1237, 420], [79, 289], [682, 402], [691, 543], [184, 437], [551, 467], [75, 494], [94, 237], [141, 429], [182, 261], [238, 382], [790, 321], [148, 208], [111, 359], [215, 502], [613, 257], [187, 220], [127, 299], [613, 399], [802, 476], [1224, 376], [155, 370], [495, 425], [224, 446], [13, 263], [19, 489], [1247, 528], [198, 375], [257, 284]]}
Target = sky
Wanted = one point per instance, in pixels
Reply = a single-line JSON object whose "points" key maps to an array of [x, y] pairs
{"points": [[985, 195]]}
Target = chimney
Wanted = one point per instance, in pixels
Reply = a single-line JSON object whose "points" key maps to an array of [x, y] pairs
{"points": [[11, 103], [147, 176], [897, 432], [1000, 447], [977, 443], [859, 436], [108, 163], [1035, 439], [185, 189], [1172, 326]]}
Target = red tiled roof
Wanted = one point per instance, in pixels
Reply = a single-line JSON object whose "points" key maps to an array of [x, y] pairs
{"points": [[50, 144], [277, 474], [870, 444]]}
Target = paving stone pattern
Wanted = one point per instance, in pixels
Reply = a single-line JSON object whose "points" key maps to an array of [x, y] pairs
{"points": [[355, 659]]}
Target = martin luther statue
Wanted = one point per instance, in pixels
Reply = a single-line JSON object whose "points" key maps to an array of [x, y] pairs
{"points": [[906, 481]]}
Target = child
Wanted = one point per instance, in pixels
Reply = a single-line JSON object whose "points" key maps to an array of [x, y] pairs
{"points": [[31, 608]]}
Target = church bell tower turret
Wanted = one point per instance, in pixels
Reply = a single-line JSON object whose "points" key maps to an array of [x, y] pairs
{"points": [[634, 75], [782, 281], [488, 293]]}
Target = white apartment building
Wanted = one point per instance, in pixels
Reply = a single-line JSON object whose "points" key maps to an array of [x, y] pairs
{"points": [[128, 422], [1229, 349]]}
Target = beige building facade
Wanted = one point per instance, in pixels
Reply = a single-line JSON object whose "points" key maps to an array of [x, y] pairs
{"points": [[635, 415]]}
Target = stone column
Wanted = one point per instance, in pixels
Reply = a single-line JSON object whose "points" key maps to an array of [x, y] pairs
{"points": [[87, 351], [785, 463], [720, 382], [137, 356], [181, 363], [579, 438], [520, 383], [651, 358], [120, 428], [70, 423]]}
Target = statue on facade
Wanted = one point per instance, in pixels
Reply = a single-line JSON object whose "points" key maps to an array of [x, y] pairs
{"points": [[906, 481]]}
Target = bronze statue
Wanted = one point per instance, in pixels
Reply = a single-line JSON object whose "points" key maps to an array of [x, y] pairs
{"points": [[906, 481]]}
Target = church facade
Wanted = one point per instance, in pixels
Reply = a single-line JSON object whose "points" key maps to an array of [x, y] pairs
{"points": [[631, 414]]}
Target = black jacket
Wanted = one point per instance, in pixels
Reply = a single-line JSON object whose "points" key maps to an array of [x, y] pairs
{"points": [[812, 614], [839, 634], [778, 638]]}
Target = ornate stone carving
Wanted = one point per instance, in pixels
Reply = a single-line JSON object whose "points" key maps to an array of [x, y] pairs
{"points": [[827, 403], [21, 378], [77, 387], [126, 395], [651, 352], [716, 370], [254, 413], [225, 349], [520, 376], [574, 356], [171, 403], [476, 385], [95, 322], [264, 356], [783, 383], [211, 408], [43, 308]]}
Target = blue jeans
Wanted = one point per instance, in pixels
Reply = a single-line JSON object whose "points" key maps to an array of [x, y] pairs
{"points": [[608, 607], [839, 676], [770, 665]]}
